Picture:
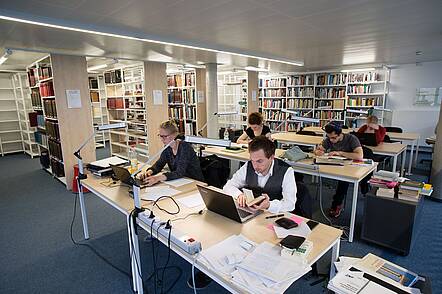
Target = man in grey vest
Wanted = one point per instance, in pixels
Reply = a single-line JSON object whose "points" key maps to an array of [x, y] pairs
{"points": [[264, 175]]}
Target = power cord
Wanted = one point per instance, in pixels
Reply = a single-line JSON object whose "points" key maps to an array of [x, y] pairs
{"points": [[99, 255], [165, 210]]}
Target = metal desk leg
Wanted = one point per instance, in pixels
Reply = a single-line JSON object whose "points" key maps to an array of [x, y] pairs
{"points": [[335, 255], [137, 278], [404, 158], [83, 210], [411, 158], [394, 162], [417, 151], [353, 210], [131, 254]]}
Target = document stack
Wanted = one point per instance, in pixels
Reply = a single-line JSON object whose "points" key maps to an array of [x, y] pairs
{"points": [[410, 190], [384, 179]]}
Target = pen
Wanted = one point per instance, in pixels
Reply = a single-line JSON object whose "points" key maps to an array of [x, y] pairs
{"points": [[274, 216]]}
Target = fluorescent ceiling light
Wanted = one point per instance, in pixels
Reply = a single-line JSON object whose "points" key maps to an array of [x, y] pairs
{"points": [[188, 65], [252, 68], [296, 63], [96, 67], [359, 69], [5, 56]]}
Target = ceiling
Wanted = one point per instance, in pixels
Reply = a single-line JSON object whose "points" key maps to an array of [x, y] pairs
{"points": [[321, 33]]}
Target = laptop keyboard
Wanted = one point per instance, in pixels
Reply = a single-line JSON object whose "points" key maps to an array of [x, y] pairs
{"points": [[243, 213]]}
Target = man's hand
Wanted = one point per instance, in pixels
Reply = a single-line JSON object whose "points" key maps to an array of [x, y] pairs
{"points": [[335, 153], [265, 204], [152, 180], [318, 152], [241, 200]]}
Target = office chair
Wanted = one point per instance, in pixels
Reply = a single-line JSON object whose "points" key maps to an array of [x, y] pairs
{"points": [[308, 133], [394, 129]]}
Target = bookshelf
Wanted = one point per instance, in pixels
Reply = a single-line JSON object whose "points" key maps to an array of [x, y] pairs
{"points": [[338, 96], [126, 102], [182, 100], [40, 80], [98, 107], [232, 96], [10, 133], [25, 113]]}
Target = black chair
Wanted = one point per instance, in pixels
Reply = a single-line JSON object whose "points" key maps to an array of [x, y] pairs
{"points": [[394, 129], [308, 133], [303, 206]]}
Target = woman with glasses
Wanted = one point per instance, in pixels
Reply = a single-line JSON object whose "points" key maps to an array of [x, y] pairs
{"points": [[179, 156]]}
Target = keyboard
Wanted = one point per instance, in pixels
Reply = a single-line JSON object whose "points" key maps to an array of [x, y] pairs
{"points": [[243, 213]]}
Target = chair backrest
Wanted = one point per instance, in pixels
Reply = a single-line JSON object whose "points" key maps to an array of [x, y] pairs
{"points": [[387, 139], [345, 127], [309, 133], [394, 129], [368, 153]]}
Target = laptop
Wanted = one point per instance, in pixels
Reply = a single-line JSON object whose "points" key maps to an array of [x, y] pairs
{"points": [[219, 202], [367, 139], [123, 175]]}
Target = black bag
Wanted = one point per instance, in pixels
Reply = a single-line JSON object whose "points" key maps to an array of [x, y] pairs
{"points": [[216, 170], [44, 159]]}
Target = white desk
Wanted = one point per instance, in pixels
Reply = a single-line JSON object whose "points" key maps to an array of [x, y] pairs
{"points": [[349, 173]]}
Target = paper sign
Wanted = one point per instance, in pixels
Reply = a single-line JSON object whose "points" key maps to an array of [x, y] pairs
{"points": [[157, 97], [200, 97], [73, 98], [254, 95]]}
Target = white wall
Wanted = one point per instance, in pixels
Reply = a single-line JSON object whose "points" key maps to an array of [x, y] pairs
{"points": [[404, 80]]}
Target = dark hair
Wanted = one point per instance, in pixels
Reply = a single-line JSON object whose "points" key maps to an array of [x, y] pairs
{"points": [[262, 143], [255, 118], [333, 126]]}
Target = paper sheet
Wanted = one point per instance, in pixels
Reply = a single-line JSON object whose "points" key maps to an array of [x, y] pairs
{"points": [[179, 182], [301, 230], [191, 201], [153, 193], [104, 163], [345, 262]]}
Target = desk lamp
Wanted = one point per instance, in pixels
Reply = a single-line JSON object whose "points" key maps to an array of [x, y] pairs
{"points": [[81, 175], [294, 115]]}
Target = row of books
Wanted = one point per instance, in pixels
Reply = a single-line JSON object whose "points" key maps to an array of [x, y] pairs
{"points": [[189, 79], [269, 103], [117, 103], [93, 83], [50, 109], [41, 138], [299, 103], [133, 89], [57, 168], [47, 89], [40, 120], [55, 149], [300, 92], [52, 130], [35, 97], [331, 79], [303, 80], [336, 104], [33, 77], [364, 77], [272, 92], [44, 72], [274, 82], [362, 101], [190, 112], [359, 89], [273, 115], [174, 96], [190, 128], [113, 77], [330, 93], [189, 96], [176, 112], [174, 80], [95, 96], [329, 115]]}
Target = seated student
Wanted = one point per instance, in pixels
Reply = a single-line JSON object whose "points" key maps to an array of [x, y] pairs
{"points": [[264, 174], [179, 156], [373, 127], [339, 144], [256, 128]]}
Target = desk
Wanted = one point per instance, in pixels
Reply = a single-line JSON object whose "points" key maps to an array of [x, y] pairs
{"points": [[118, 197], [348, 173], [411, 138], [209, 228], [387, 149]]}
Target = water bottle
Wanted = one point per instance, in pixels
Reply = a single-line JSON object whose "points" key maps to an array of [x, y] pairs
{"points": [[132, 155], [226, 134]]}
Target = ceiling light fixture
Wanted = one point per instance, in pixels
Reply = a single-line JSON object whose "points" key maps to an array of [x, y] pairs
{"points": [[419, 52], [296, 63], [101, 66], [5, 56], [359, 69], [252, 68]]}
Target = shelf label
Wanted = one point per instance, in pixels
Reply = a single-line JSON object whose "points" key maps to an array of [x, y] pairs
{"points": [[73, 98], [157, 97], [200, 97], [254, 95]]}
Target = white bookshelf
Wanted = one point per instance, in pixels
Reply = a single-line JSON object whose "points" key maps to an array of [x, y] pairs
{"points": [[126, 102], [98, 107], [232, 96], [10, 133], [24, 107]]}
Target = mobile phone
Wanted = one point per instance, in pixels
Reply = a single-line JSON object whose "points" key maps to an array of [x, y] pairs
{"points": [[312, 224], [286, 223]]}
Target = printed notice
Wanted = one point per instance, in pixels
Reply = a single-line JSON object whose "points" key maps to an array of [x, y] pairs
{"points": [[73, 98], [157, 97]]}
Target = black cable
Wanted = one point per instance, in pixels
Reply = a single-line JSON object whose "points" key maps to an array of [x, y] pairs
{"points": [[165, 210], [153, 258], [190, 214], [132, 253], [180, 273], [92, 248]]}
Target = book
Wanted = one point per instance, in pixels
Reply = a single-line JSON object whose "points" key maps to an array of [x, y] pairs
{"points": [[412, 185]]}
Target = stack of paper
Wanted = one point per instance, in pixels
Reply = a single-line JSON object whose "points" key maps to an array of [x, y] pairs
{"points": [[153, 193], [345, 262]]}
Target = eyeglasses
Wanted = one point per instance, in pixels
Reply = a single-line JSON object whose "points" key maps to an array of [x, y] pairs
{"points": [[163, 136]]}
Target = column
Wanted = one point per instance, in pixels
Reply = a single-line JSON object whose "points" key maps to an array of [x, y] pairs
{"points": [[252, 92], [212, 100], [436, 168], [201, 111], [155, 81]]}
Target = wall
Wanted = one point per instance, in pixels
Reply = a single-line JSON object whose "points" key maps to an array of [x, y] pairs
{"points": [[404, 80]]}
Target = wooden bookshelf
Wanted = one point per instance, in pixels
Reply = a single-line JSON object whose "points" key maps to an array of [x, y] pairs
{"points": [[272, 98]]}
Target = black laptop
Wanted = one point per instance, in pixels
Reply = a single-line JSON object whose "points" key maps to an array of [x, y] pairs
{"points": [[368, 139], [123, 175], [219, 202]]}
